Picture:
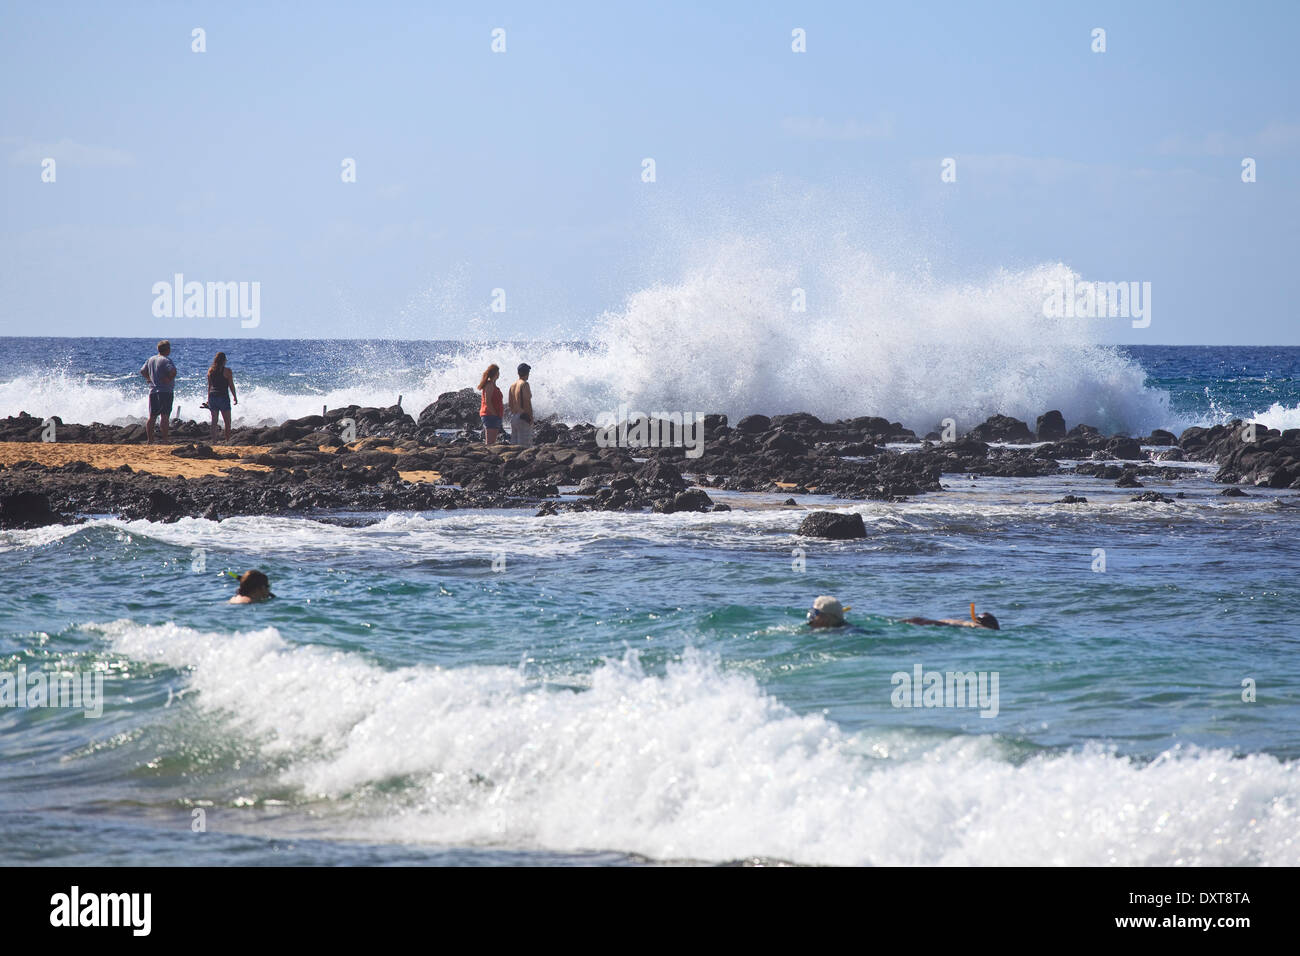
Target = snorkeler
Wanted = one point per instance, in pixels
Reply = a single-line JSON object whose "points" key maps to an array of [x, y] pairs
{"points": [[826, 612], [985, 620], [254, 586]]}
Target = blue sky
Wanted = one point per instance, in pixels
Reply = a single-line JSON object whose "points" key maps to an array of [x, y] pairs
{"points": [[522, 170]]}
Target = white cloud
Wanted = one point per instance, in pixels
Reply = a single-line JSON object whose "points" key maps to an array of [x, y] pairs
{"points": [[66, 152]]}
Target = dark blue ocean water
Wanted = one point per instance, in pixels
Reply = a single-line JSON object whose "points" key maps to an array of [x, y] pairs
{"points": [[493, 688]]}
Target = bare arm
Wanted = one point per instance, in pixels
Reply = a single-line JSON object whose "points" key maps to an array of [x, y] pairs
{"points": [[526, 397], [230, 378]]}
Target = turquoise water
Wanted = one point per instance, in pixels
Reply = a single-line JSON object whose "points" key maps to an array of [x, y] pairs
{"points": [[637, 687], [494, 688]]}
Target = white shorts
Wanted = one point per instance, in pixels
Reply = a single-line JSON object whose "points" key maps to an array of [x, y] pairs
{"points": [[521, 431]]}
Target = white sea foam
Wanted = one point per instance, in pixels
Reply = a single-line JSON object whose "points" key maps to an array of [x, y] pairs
{"points": [[467, 535], [699, 763], [1278, 416]]}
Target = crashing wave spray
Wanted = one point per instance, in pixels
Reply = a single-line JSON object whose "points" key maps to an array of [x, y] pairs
{"points": [[716, 329], [725, 337]]}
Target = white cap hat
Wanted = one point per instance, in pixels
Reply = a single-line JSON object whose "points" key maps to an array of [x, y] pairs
{"points": [[829, 608]]}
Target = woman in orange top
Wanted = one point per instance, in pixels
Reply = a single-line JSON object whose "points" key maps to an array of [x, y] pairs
{"points": [[489, 410]]}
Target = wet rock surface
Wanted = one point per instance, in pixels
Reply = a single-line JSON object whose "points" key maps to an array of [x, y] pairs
{"points": [[833, 525], [27, 509]]}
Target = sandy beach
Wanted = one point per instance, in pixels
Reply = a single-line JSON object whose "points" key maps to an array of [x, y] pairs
{"points": [[158, 459]]}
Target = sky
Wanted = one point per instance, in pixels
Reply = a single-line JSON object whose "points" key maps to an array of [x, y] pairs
{"points": [[523, 170]]}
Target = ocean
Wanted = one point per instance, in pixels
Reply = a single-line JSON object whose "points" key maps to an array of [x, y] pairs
{"points": [[488, 688]]}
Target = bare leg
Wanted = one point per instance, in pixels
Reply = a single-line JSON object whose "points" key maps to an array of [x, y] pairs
{"points": [[148, 429], [226, 415], [492, 434], [212, 429]]}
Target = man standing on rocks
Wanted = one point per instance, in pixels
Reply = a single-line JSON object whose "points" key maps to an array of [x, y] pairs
{"points": [[161, 374], [521, 409]]}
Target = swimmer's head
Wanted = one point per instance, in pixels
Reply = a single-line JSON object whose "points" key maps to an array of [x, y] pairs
{"points": [[254, 585], [987, 620], [826, 612]]}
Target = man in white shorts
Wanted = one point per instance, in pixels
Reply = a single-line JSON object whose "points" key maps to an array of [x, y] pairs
{"points": [[520, 408]]}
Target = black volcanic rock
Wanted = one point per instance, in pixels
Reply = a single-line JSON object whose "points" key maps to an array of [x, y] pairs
{"points": [[785, 443], [830, 524], [753, 424], [1002, 428], [1128, 449], [452, 410], [27, 509], [1154, 497], [692, 500], [659, 474], [1050, 426]]}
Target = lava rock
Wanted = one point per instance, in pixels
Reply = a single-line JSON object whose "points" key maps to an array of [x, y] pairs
{"points": [[1128, 449], [1153, 496], [657, 473], [27, 509], [833, 525], [785, 443], [692, 500], [452, 410], [1002, 428], [1050, 426]]}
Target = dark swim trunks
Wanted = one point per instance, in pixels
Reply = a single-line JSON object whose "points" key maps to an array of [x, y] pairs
{"points": [[160, 403], [219, 401], [491, 421]]}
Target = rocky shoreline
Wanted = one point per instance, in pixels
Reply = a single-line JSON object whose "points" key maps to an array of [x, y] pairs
{"points": [[304, 466]]}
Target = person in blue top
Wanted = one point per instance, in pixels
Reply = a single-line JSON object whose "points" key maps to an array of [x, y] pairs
{"points": [[161, 374]]}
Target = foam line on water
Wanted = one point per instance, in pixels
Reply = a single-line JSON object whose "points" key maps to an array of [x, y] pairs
{"points": [[700, 763]]}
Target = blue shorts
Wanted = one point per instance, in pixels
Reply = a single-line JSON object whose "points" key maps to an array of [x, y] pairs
{"points": [[160, 403], [490, 421], [219, 401]]}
